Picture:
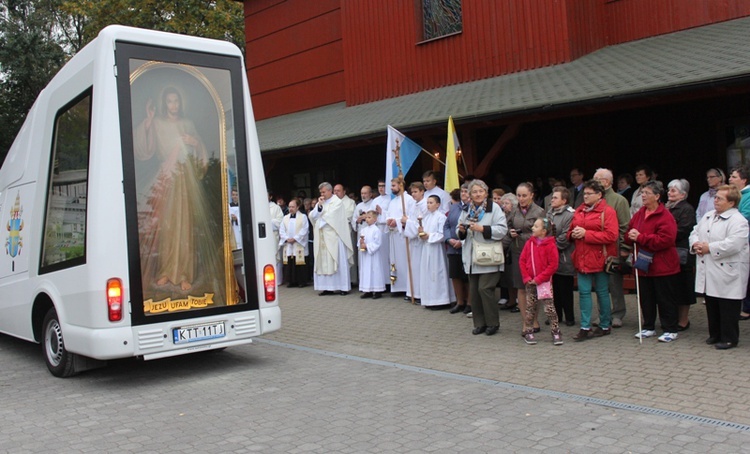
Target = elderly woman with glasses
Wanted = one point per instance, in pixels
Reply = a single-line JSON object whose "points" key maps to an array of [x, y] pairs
{"points": [[653, 231], [484, 223], [720, 243], [683, 214], [594, 230], [509, 203], [714, 177]]}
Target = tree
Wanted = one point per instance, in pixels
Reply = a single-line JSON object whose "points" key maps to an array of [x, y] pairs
{"points": [[38, 36], [29, 57], [218, 19]]}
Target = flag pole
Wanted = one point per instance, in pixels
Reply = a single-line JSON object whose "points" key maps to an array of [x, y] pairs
{"points": [[403, 213]]}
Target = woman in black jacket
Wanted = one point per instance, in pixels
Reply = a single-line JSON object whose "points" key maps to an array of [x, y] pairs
{"points": [[684, 215]]}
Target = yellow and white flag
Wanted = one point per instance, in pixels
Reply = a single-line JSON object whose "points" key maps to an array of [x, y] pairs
{"points": [[451, 167]]}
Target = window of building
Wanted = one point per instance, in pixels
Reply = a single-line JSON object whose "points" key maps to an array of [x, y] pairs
{"points": [[65, 220], [441, 18]]}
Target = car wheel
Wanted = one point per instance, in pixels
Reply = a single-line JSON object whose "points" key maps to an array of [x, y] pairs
{"points": [[60, 361]]}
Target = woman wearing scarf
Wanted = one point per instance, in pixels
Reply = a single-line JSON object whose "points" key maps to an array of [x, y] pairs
{"points": [[483, 223]]}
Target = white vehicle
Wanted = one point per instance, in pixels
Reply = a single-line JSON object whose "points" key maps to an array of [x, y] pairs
{"points": [[118, 208]]}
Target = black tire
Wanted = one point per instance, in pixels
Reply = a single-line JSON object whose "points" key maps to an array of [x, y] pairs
{"points": [[60, 362]]}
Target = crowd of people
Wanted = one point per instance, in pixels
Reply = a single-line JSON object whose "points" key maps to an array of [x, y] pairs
{"points": [[453, 251]]}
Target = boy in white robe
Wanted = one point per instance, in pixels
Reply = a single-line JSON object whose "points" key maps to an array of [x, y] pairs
{"points": [[433, 276], [371, 281], [381, 203], [416, 190]]}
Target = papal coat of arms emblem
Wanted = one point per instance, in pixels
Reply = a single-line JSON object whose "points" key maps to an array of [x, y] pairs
{"points": [[14, 243]]}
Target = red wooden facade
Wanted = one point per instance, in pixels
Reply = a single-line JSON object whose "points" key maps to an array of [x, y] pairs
{"points": [[304, 54]]}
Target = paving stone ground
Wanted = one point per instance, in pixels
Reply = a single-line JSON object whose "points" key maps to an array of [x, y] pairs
{"points": [[684, 376], [343, 376]]}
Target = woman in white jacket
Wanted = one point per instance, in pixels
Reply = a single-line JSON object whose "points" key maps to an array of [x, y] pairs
{"points": [[484, 223], [721, 242]]}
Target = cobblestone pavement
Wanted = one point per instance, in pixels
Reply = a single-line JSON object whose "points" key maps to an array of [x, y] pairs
{"points": [[346, 375], [684, 376]]}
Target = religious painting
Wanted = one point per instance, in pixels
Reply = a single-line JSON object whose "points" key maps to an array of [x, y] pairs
{"points": [[184, 164]]}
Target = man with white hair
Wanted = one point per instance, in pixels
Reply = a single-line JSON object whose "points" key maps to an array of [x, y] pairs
{"points": [[622, 208], [332, 244]]}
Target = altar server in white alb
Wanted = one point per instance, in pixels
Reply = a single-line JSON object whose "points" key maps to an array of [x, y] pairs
{"points": [[371, 282], [433, 273], [276, 217], [381, 203], [416, 190], [396, 220], [349, 207], [332, 245], [294, 234], [429, 179]]}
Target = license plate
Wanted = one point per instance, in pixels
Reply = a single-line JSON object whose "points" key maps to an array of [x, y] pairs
{"points": [[195, 333]]}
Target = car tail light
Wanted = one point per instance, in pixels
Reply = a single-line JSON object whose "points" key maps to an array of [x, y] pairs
{"points": [[114, 299], [269, 282]]}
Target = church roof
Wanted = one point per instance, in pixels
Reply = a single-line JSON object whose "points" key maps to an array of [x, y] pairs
{"points": [[709, 54]]}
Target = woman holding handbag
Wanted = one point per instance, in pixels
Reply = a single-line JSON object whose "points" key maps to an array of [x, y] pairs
{"points": [[653, 231], [595, 230], [482, 226], [539, 260]]}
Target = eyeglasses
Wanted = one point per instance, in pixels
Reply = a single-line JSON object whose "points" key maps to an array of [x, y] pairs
{"points": [[720, 198], [586, 194], [708, 177]]}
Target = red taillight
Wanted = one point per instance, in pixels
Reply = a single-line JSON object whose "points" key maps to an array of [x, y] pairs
{"points": [[114, 299], [269, 282]]}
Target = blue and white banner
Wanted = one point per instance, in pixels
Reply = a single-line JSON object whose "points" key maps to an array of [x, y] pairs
{"points": [[407, 149]]}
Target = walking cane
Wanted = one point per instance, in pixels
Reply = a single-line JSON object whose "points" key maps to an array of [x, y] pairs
{"points": [[638, 294]]}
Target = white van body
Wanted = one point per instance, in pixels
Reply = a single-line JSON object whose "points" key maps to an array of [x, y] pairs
{"points": [[127, 240]]}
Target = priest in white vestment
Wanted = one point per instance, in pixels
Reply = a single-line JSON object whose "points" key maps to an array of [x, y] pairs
{"points": [[332, 245], [294, 233]]}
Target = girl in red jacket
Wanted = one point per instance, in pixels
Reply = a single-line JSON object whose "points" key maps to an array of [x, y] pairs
{"points": [[538, 262]]}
